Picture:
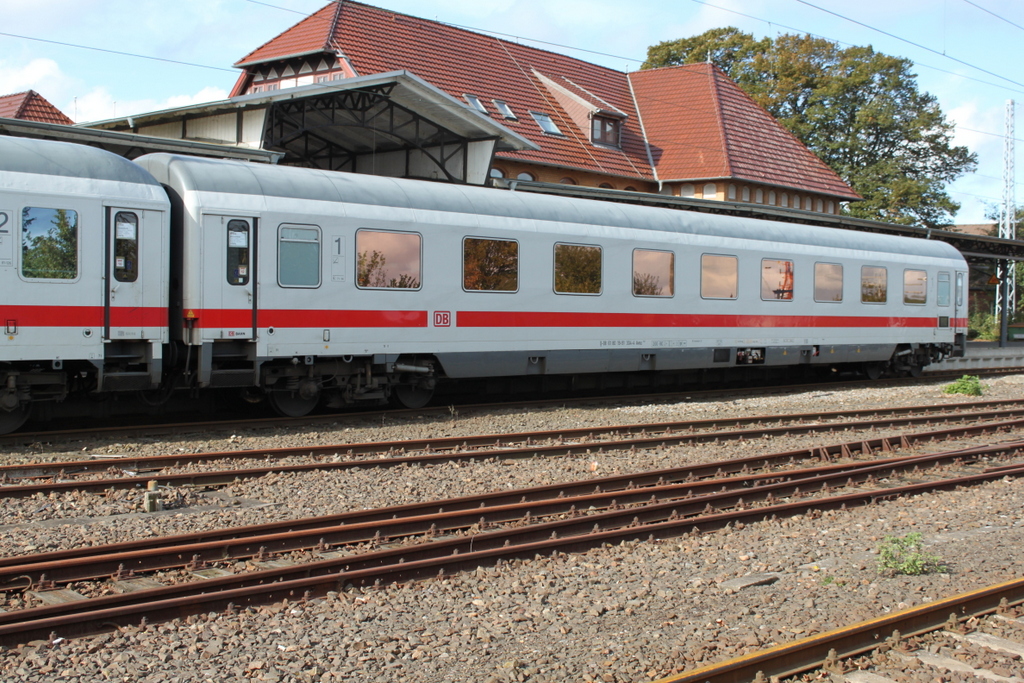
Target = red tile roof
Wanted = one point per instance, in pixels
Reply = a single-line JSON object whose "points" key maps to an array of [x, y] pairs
{"points": [[31, 106], [698, 123]]}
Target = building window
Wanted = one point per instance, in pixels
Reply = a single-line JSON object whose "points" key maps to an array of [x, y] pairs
{"points": [[710, 191], [873, 284], [807, 203], [630, 188], [776, 280], [915, 287], [831, 207], [545, 123], [577, 269], [732, 192], [719, 276], [490, 265], [759, 196], [820, 206], [606, 186], [496, 173], [505, 110], [687, 190], [785, 200], [567, 181], [49, 243], [475, 102], [771, 197], [298, 256], [605, 131], [746, 194], [525, 176], [388, 260], [653, 273], [828, 282]]}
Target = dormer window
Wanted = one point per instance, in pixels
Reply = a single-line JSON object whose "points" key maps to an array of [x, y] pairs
{"points": [[545, 123], [475, 102], [605, 131], [504, 109]]}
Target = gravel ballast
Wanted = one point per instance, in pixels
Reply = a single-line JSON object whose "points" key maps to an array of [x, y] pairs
{"points": [[631, 612]]}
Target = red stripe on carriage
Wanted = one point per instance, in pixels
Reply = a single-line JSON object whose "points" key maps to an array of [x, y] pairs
{"points": [[323, 318], [555, 319]]}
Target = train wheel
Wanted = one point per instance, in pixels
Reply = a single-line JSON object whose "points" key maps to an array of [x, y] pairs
{"points": [[11, 420], [289, 404], [406, 396], [873, 370]]}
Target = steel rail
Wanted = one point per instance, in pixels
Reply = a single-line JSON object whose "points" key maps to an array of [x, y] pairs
{"points": [[888, 416], [790, 659], [308, 420], [225, 477], [394, 565], [685, 473], [685, 499]]}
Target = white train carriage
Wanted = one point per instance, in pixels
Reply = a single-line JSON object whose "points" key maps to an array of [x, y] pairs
{"points": [[83, 274], [303, 282]]}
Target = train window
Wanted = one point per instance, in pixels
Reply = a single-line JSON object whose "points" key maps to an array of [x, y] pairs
{"points": [[653, 273], [577, 269], [944, 289], [959, 289], [49, 243], [238, 252], [126, 246], [873, 284], [490, 265], [298, 256], [915, 287], [719, 276], [776, 280], [828, 282], [388, 260]]}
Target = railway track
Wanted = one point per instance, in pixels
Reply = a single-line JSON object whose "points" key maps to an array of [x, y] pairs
{"points": [[948, 622], [258, 423], [138, 473], [392, 545]]}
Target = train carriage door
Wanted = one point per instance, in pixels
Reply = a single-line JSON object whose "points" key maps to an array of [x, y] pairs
{"points": [[229, 278], [126, 315]]}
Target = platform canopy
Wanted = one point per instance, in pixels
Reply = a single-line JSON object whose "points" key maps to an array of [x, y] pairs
{"points": [[392, 124]]}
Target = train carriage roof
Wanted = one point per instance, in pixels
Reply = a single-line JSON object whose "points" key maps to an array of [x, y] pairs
{"points": [[47, 157], [224, 176]]}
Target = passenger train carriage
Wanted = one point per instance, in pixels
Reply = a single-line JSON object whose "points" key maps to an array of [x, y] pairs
{"points": [[306, 286]]}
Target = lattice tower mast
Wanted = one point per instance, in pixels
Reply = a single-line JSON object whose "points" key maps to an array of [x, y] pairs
{"points": [[1008, 217]]}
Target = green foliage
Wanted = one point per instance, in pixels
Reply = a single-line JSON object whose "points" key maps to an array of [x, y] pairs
{"points": [[49, 252], [859, 110], [902, 555], [983, 326], [969, 385]]}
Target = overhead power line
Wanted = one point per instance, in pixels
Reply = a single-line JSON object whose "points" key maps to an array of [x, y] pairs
{"points": [[909, 42], [997, 16], [116, 52]]}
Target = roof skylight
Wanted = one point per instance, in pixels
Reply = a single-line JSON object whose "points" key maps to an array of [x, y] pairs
{"points": [[475, 102], [545, 123]]}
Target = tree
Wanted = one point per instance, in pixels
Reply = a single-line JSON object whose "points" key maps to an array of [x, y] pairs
{"points": [[52, 254], [859, 110]]}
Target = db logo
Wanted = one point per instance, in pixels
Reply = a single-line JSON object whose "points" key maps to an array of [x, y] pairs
{"points": [[442, 318]]}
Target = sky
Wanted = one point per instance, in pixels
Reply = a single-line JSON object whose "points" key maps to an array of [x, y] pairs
{"points": [[152, 54]]}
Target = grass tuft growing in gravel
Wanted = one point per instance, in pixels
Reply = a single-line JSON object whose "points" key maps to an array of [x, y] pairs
{"points": [[968, 385], [903, 555]]}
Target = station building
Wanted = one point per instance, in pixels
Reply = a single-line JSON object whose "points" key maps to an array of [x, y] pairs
{"points": [[357, 88]]}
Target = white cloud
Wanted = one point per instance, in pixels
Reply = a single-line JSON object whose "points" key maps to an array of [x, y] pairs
{"points": [[99, 104], [42, 75]]}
